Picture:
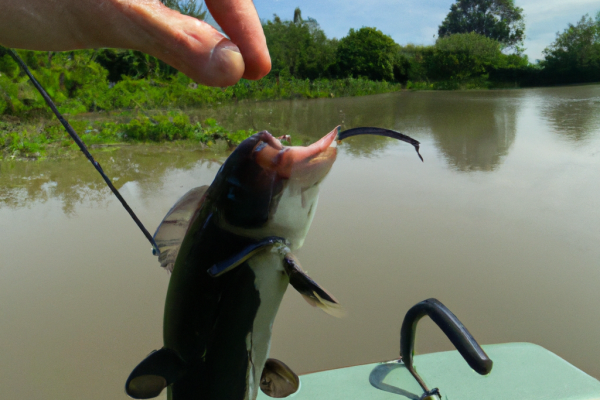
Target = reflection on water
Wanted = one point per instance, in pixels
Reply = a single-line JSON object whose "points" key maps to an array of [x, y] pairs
{"points": [[475, 133], [572, 113], [474, 130], [512, 252], [75, 181]]}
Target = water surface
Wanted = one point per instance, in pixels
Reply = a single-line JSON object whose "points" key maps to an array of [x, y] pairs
{"points": [[501, 223]]}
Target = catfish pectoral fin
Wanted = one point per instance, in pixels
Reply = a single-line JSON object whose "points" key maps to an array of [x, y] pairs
{"points": [[244, 254], [278, 380], [157, 371], [312, 292], [380, 132], [175, 224]]}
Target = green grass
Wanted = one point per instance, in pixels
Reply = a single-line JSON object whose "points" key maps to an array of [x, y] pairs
{"points": [[47, 138]]}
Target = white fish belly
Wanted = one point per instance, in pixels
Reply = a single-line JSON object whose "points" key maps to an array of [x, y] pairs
{"points": [[271, 282]]}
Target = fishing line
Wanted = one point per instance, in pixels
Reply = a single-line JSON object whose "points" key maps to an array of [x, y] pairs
{"points": [[81, 145]]}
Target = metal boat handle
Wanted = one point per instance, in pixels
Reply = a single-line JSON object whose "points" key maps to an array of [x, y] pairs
{"points": [[460, 337]]}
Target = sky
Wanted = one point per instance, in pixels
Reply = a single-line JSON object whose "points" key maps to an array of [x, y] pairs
{"points": [[414, 21]]}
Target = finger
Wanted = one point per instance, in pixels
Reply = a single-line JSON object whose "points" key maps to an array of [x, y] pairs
{"points": [[239, 20], [192, 46]]}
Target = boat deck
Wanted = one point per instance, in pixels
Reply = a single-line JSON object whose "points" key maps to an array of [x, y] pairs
{"points": [[522, 371]]}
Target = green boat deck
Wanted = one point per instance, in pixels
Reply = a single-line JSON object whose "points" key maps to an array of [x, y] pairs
{"points": [[522, 371]]}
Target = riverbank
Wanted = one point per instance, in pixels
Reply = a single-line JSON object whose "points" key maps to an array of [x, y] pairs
{"points": [[212, 129], [46, 138]]}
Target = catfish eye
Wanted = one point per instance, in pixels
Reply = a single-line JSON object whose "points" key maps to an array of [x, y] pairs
{"points": [[261, 145]]}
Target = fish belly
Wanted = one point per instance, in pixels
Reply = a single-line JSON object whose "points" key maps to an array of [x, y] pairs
{"points": [[271, 282]]}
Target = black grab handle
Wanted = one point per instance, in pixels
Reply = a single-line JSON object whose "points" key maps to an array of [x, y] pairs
{"points": [[460, 337]]}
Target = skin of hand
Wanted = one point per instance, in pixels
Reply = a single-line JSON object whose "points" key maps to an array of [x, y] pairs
{"points": [[192, 46]]}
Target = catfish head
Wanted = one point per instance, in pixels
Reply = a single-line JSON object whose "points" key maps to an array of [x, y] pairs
{"points": [[265, 191], [268, 189]]}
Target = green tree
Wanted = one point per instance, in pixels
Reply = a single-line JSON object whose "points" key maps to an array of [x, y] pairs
{"points": [[299, 48], [575, 54], [464, 55], [500, 20], [369, 53], [187, 7], [132, 63]]}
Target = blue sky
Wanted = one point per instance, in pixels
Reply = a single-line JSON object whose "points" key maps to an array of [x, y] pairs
{"points": [[414, 21]]}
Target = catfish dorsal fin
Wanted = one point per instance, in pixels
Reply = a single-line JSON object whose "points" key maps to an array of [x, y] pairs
{"points": [[174, 226], [312, 292], [157, 371]]}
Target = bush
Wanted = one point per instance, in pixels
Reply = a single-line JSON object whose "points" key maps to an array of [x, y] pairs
{"points": [[21, 140], [462, 56], [417, 61], [370, 54], [574, 57], [72, 79], [134, 64]]}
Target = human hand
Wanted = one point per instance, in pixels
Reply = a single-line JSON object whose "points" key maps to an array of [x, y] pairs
{"points": [[192, 46]]}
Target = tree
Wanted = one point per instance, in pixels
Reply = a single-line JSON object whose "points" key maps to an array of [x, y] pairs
{"points": [[575, 54], [299, 48], [500, 20], [368, 53], [187, 7], [463, 55]]}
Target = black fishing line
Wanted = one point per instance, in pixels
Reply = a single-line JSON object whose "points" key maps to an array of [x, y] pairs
{"points": [[81, 145]]}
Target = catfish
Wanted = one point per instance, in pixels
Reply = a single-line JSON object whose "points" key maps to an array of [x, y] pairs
{"points": [[229, 248]]}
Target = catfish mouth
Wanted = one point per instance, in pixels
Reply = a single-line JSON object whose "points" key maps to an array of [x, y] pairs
{"points": [[305, 165], [309, 165]]}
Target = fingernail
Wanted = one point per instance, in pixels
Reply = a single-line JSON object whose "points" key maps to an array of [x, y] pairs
{"points": [[227, 62], [228, 45]]}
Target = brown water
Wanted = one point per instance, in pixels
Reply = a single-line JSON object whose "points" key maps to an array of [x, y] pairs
{"points": [[501, 223]]}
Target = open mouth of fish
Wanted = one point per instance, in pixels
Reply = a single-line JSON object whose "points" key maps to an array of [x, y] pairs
{"points": [[308, 165], [304, 164]]}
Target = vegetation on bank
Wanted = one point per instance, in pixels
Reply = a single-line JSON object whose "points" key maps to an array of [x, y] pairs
{"points": [[48, 138], [79, 83]]}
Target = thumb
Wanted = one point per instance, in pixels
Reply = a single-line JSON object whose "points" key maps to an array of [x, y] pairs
{"points": [[192, 46], [186, 43]]}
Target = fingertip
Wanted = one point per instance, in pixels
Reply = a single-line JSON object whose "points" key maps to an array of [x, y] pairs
{"points": [[257, 67], [241, 23], [221, 66]]}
